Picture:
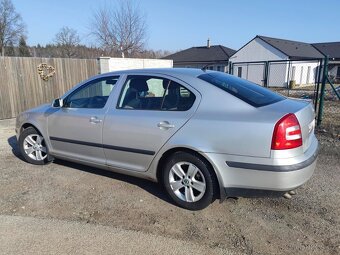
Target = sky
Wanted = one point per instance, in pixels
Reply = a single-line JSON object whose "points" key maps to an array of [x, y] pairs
{"points": [[179, 24]]}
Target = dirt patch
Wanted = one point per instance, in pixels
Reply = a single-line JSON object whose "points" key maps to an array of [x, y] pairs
{"points": [[307, 224]]}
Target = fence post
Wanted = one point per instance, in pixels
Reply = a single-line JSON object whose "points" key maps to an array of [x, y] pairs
{"points": [[322, 93], [265, 78], [316, 94]]}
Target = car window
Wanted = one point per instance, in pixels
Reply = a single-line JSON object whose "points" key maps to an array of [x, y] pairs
{"points": [[247, 91], [92, 95], [154, 93]]}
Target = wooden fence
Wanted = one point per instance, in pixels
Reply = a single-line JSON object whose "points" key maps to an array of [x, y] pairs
{"points": [[21, 85]]}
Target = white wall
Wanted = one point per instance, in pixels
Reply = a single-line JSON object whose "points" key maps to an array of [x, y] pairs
{"points": [[301, 75], [278, 74], [107, 64], [257, 50]]}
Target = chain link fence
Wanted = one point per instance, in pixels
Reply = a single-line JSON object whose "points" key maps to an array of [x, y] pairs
{"points": [[298, 79], [279, 74]]}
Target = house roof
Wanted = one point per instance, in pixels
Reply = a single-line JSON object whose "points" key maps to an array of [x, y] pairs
{"points": [[332, 49], [293, 49], [214, 53]]}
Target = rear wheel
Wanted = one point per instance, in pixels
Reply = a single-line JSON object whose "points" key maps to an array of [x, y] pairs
{"points": [[189, 181], [33, 147]]}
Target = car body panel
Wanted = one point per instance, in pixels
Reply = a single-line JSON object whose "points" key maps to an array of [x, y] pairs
{"points": [[137, 135], [68, 127], [268, 178], [132, 137]]}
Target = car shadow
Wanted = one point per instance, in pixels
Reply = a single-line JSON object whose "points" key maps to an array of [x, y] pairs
{"points": [[12, 141], [149, 186]]}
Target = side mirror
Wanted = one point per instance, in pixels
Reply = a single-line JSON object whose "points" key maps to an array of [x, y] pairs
{"points": [[57, 103]]}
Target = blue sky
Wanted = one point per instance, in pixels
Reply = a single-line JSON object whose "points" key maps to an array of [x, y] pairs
{"points": [[180, 24]]}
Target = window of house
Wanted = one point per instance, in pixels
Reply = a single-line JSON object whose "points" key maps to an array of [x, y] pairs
{"points": [[308, 75], [301, 75], [142, 92], [93, 94], [219, 68], [239, 71], [293, 72]]}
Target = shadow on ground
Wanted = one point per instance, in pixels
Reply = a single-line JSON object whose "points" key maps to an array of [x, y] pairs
{"points": [[12, 141], [151, 187]]}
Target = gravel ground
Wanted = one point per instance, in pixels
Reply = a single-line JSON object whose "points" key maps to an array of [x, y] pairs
{"points": [[307, 224], [27, 235]]}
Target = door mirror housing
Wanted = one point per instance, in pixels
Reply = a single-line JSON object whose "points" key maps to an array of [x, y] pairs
{"points": [[57, 103]]}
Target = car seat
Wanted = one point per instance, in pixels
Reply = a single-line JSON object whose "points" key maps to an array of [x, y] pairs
{"points": [[132, 98]]}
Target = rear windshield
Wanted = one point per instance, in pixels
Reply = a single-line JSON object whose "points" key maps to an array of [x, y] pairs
{"points": [[247, 91]]}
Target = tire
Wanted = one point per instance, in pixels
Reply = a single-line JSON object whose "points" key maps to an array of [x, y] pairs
{"points": [[32, 147], [189, 181]]}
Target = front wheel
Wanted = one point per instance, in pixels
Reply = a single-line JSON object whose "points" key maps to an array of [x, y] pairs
{"points": [[33, 147], [189, 181]]}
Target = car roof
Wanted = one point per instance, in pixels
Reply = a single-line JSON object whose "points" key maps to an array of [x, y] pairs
{"points": [[192, 72]]}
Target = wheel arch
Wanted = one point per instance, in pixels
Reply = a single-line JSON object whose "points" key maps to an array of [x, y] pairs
{"points": [[27, 125], [171, 151]]}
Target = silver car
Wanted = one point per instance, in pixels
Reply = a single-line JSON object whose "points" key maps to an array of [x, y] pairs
{"points": [[201, 134]]}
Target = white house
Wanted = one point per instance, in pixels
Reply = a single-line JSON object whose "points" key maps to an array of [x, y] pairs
{"points": [[276, 62], [332, 50]]}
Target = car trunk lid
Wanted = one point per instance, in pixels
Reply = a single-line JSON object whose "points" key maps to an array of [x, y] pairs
{"points": [[304, 112]]}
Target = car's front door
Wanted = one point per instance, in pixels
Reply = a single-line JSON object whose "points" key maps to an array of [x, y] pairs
{"points": [[75, 130], [150, 110]]}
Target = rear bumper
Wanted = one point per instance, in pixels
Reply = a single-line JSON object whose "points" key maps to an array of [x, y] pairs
{"points": [[274, 168], [265, 174]]}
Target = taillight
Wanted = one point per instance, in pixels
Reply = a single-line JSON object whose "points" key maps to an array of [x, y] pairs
{"points": [[287, 133]]}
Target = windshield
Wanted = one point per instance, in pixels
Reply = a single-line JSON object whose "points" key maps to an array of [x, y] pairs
{"points": [[247, 91]]}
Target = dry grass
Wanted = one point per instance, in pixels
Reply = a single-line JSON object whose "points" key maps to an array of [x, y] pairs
{"points": [[331, 118]]}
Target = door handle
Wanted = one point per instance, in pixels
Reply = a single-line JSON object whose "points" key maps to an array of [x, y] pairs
{"points": [[95, 120], [165, 125]]}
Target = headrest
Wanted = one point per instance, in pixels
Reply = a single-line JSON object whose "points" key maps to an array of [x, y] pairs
{"points": [[172, 86], [139, 85]]}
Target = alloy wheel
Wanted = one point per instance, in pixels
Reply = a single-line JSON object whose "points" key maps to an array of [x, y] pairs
{"points": [[35, 148], [187, 181]]}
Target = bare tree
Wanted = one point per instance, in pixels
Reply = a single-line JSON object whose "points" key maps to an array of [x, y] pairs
{"points": [[67, 40], [120, 30], [11, 25]]}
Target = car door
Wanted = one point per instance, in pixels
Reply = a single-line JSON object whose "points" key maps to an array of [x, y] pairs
{"points": [[75, 130], [149, 110]]}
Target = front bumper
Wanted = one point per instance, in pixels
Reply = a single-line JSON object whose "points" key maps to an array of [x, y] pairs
{"points": [[265, 174]]}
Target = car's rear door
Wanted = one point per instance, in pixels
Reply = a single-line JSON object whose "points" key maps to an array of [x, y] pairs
{"points": [[149, 110], [75, 130]]}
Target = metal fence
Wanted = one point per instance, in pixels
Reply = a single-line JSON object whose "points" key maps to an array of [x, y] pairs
{"points": [[304, 78], [23, 86], [282, 74]]}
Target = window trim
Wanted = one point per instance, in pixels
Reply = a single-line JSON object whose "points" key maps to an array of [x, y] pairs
{"points": [[88, 83], [128, 76]]}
